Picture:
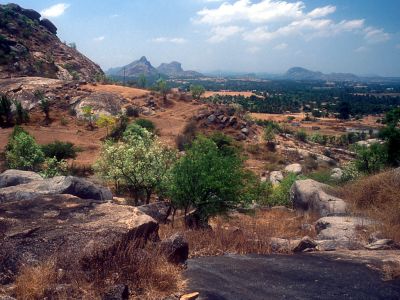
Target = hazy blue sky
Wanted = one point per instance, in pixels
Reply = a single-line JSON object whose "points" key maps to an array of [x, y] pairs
{"points": [[359, 36]]}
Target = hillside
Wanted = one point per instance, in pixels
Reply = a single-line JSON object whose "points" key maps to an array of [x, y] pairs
{"points": [[29, 46], [298, 73]]}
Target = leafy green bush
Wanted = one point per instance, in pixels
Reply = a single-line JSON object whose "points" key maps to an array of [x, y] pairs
{"points": [[146, 124], [301, 135], [371, 159], [281, 193], [23, 152], [255, 191], [53, 167], [59, 150]]}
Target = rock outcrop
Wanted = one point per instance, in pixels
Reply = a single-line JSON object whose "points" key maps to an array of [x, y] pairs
{"points": [[71, 185], [175, 248], [48, 226], [101, 103], [17, 177], [29, 47], [310, 195]]}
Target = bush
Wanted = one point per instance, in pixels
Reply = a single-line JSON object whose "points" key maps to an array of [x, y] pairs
{"points": [[371, 159], [146, 124], [53, 167], [255, 190], [21, 114], [119, 128], [301, 135], [23, 153], [281, 193], [5, 111], [185, 139], [59, 150], [132, 111]]}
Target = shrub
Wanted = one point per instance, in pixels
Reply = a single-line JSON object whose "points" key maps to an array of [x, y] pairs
{"points": [[53, 167], [371, 159], [45, 107], [281, 193], [119, 128], [255, 190], [207, 180], [224, 143], [23, 152], [301, 135], [132, 111], [21, 114], [197, 91], [105, 121], [146, 124], [185, 139], [5, 111], [59, 150]]}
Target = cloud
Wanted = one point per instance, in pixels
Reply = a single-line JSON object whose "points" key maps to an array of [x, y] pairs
{"points": [[99, 39], [270, 19], [375, 35], [169, 40], [221, 33], [114, 16], [253, 50], [281, 46], [55, 10], [361, 49]]}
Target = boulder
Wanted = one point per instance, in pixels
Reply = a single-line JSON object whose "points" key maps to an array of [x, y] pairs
{"points": [[383, 244], [211, 119], [30, 13], [342, 228], [49, 26], [159, 211], [276, 177], [294, 168], [305, 244], [245, 131], [336, 174], [71, 185], [283, 245], [175, 248], [16, 177], [102, 103], [77, 229], [310, 195], [333, 245]]}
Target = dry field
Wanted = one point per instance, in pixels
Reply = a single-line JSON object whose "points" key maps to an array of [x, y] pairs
{"points": [[228, 93]]}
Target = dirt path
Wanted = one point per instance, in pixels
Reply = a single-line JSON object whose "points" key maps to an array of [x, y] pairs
{"points": [[286, 277]]}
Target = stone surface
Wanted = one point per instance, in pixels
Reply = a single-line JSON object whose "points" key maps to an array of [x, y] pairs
{"points": [[102, 103], [58, 185], [383, 244], [159, 211], [49, 25], [191, 296], [276, 177], [336, 174], [42, 226], [175, 248], [340, 227], [294, 168], [117, 292], [310, 195], [306, 243], [16, 177]]}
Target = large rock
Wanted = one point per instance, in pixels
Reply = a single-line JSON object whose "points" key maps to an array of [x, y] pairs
{"points": [[16, 177], [294, 168], [340, 227], [310, 195], [71, 185], [75, 229], [49, 25], [276, 177], [102, 103], [30, 13], [336, 174], [175, 248], [159, 211]]}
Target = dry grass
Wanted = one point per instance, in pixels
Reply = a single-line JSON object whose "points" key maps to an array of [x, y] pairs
{"points": [[241, 234], [144, 270], [377, 197], [34, 281], [391, 271]]}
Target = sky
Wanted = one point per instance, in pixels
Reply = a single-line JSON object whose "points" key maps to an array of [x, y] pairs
{"points": [[269, 36]]}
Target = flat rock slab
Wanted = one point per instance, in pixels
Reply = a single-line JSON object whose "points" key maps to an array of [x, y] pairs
{"points": [[52, 225], [301, 276]]}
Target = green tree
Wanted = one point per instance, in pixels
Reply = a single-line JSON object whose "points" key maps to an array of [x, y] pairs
{"points": [[105, 121], [344, 110], [162, 87], [139, 162], [371, 159], [21, 114], [142, 81], [206, 180], [269, 136], [197, 91], [88, 116], [23, 153], [5, 111], [391, 134], [45, 107]]}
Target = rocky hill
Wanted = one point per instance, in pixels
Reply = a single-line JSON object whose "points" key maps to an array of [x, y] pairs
{"points": [[29, 46], [298, 73], [144, 67]]}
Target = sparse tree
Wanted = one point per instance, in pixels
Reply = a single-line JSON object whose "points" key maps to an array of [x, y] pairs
{"points": [[197, 91], [88, 116], [269, 136], [5, 111], [45, 107], [162, 87], [21, 114], [105, 121], [142, 81]]}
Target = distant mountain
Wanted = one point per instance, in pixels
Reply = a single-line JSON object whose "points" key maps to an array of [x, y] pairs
{"points": [[144, 67], [298, 73], [135, 69], [174, 69]]}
